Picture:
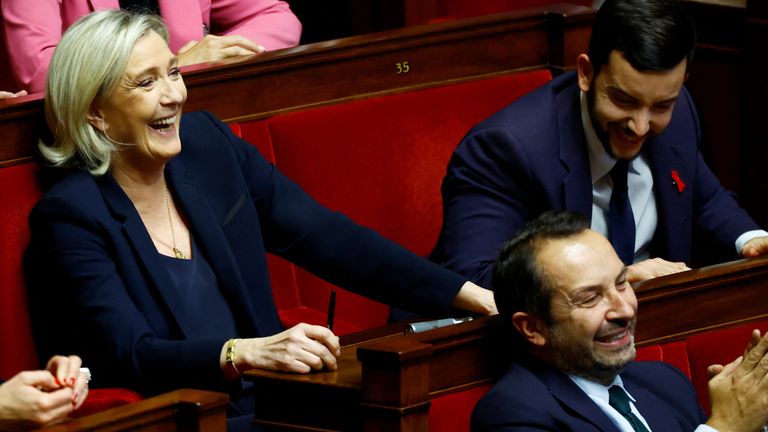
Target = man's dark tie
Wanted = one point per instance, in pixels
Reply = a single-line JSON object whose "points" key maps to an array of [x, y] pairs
{"points": [[620, 401], [621, 222]]}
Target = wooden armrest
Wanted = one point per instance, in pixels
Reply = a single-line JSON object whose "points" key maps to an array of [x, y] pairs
{"points": [[183, 409]]}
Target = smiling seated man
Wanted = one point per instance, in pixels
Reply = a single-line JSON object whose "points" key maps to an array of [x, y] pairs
{"points": [[622, 118], [564, 291]]}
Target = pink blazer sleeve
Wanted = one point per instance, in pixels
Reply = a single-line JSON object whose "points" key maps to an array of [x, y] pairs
{"points": [[269, 23], [32, 30], [34, 27]]}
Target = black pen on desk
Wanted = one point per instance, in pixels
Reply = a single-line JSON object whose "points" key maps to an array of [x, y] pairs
{"points": [[331, 309]]}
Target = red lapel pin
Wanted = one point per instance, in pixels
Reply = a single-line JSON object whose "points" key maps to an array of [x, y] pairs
{"points": [[677, 181]]}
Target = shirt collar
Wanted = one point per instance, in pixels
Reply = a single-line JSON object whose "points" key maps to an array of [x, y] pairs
{"points": [[595, 389], [600, 162]]}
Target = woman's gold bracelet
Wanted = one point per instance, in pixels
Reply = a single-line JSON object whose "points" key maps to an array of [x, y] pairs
{"points": [[230, 355]]}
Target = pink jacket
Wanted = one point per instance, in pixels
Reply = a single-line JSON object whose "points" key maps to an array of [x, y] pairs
{"points": [[34, 27]]}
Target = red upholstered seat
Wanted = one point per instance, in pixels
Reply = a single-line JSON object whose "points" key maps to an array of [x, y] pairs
{"points": [[257, 133], [716, 347], [19, 191], [674, 353], [649, 353], [102, 399], [694, 355], [452, 412], [380, 161]]}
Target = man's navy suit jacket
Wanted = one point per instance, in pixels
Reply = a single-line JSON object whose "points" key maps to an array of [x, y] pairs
{"points": [[532, 157], [98, 287], [537, 397]]}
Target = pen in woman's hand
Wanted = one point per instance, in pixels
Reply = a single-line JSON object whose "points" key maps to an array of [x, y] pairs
{"points": [[331, 309]]}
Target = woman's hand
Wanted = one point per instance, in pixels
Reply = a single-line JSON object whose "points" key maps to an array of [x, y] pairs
{"points": [[474, 298], [212, 48], [300, 349], [66, 372], [9, 95], [653, 268], [34, 398]]}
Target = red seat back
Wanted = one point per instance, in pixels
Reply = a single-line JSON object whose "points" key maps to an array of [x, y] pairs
{"points": [[716, 347], [674, 353], [380, 161], [19, 191], [453, 412]]}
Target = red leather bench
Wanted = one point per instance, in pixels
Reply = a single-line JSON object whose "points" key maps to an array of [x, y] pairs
{"points": [[380, 161]]}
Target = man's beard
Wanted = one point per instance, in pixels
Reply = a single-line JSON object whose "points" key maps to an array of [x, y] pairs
{"points": [[582, 359], [602, 135]]}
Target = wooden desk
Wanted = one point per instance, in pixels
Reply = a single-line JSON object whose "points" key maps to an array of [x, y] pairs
{"points": [[384, 384], [387, 383], [677, 306], [180, 410]]}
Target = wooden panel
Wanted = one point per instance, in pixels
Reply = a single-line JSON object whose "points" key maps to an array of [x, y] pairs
{"points": [[21, 124], [364, 66], [180, 410], [426, 11], [676, 306]]}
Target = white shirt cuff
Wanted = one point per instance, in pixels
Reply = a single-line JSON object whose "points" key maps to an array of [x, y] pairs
{"points": [[705, 428], [747, 236]]}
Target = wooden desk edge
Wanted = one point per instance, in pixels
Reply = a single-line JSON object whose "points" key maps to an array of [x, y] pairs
{"points": [[164, 406]]}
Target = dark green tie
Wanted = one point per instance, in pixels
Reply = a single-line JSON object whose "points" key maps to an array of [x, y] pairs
{"points": [[620, 401]]}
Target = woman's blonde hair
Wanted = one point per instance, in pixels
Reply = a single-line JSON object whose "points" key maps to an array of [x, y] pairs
{"points": [[87, 65]]}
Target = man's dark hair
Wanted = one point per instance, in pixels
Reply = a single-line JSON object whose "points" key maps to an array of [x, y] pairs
{"points": [[519, 284], [653, 35]]}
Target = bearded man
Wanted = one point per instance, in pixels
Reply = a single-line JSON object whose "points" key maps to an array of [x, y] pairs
{"points": [[617, 140], [571, 311]]}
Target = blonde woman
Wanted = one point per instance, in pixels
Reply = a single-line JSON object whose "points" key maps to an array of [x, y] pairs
{"points": [[152, 245]]}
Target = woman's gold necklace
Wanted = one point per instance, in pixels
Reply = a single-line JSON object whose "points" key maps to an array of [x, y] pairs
{"points": [[178, 253]]}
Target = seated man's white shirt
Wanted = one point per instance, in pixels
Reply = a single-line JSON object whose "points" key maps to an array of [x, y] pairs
{"points": [[599, 394], [640, 187]]}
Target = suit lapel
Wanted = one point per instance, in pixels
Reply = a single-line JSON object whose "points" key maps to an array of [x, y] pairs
{"points": [[657, 414], [671, 203], [577, 183], [138, 236], [212, 240], [575, 400]]}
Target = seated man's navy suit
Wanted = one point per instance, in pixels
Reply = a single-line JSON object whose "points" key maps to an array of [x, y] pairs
{"points": [[534, 396], [99, 287], [532, 157]]}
